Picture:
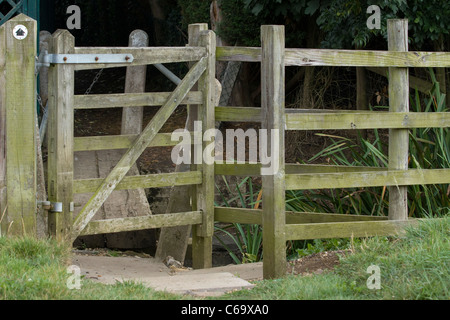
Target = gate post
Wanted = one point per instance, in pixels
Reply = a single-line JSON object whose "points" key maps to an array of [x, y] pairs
{"points": [[60, 138], [18, 38], [202, 234], [398, 102], [273, 120]]}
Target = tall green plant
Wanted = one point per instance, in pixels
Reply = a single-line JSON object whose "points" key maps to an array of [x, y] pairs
{"points": [[429, 149], [247, 237]]}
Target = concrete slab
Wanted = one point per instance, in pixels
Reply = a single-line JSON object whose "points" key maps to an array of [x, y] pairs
{"points": [[155, 274]]}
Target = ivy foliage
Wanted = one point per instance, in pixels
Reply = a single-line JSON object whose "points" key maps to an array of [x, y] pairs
{"points": [[343, 22]]}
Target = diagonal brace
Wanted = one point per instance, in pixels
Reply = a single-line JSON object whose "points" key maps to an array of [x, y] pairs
{"points": [[129, 158]]}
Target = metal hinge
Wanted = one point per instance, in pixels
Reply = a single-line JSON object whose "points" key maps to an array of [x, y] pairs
{"points": [[51, 206], [45, 58]]}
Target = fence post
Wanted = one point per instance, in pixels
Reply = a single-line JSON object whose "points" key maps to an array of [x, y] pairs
{"points": [[398, 102], [273, 119], [132, 117], [202, 234], [60, 138], [18, 104]]}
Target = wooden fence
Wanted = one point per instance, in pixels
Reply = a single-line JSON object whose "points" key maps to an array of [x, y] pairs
{"points": [[278, 225]]}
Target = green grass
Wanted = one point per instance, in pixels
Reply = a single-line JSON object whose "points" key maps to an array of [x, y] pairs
{"points": [[33, 269], [414, 266]]}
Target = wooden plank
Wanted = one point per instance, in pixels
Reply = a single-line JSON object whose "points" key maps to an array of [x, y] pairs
{"points": [[119, 142], [142, 181], [398, 102], [98, 101], [142, 223], [363, 58], [173, 241], [135, 79], [272, 116], [3, 226], [238, 114], [367, 120], [254, 216], [341, 58], [346, 229], [204, 193], [248, 169], [138, 147], [142, 56], [367, 179], [20, 103], [60, 138], [251, 114], [244, 54]]}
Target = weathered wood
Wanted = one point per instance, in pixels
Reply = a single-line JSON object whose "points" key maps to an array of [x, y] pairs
{"points": [[249, 169], [244, 54], [345, 229], [60, 138], [173, 241], [202, 234], [135, 79], [348, 58], [367, 120], [272, 119], [238, 114], [254, 216], [251, 114], [138, 147], [45, 44], [392, 178], [143, 222], [119, 100], [363, 58], [142, 181], [398, 102], [142, 56], [20, 103], [119, 142]]}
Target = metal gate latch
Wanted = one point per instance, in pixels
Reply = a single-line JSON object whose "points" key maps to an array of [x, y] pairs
{"points": [[51, 206]]}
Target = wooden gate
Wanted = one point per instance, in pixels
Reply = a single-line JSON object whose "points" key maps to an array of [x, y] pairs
{"points": [[63, 102]]}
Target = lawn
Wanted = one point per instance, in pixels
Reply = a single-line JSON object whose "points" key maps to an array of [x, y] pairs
{"points": [[415, 266]]}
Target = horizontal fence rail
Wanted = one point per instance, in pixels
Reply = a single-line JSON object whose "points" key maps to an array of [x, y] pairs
{"points": [[120, 100], [142, 56], [307, 119], [142, 181], [356, 229], [254, 216], [367, 179], [143, 223], [250, 169], [120, 142], [341, 58]]}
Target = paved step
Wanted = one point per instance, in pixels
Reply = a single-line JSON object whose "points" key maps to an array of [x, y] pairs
{"points": [[155, 274]]}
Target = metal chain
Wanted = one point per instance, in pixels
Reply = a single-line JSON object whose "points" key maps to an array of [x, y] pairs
{"points": [[97, 76]]}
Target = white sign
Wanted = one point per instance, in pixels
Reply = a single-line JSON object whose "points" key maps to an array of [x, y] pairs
{"points": [[20, 32]]}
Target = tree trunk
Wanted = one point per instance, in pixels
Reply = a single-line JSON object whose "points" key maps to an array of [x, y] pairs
{"points": [[158, 20], [312, 41]]}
